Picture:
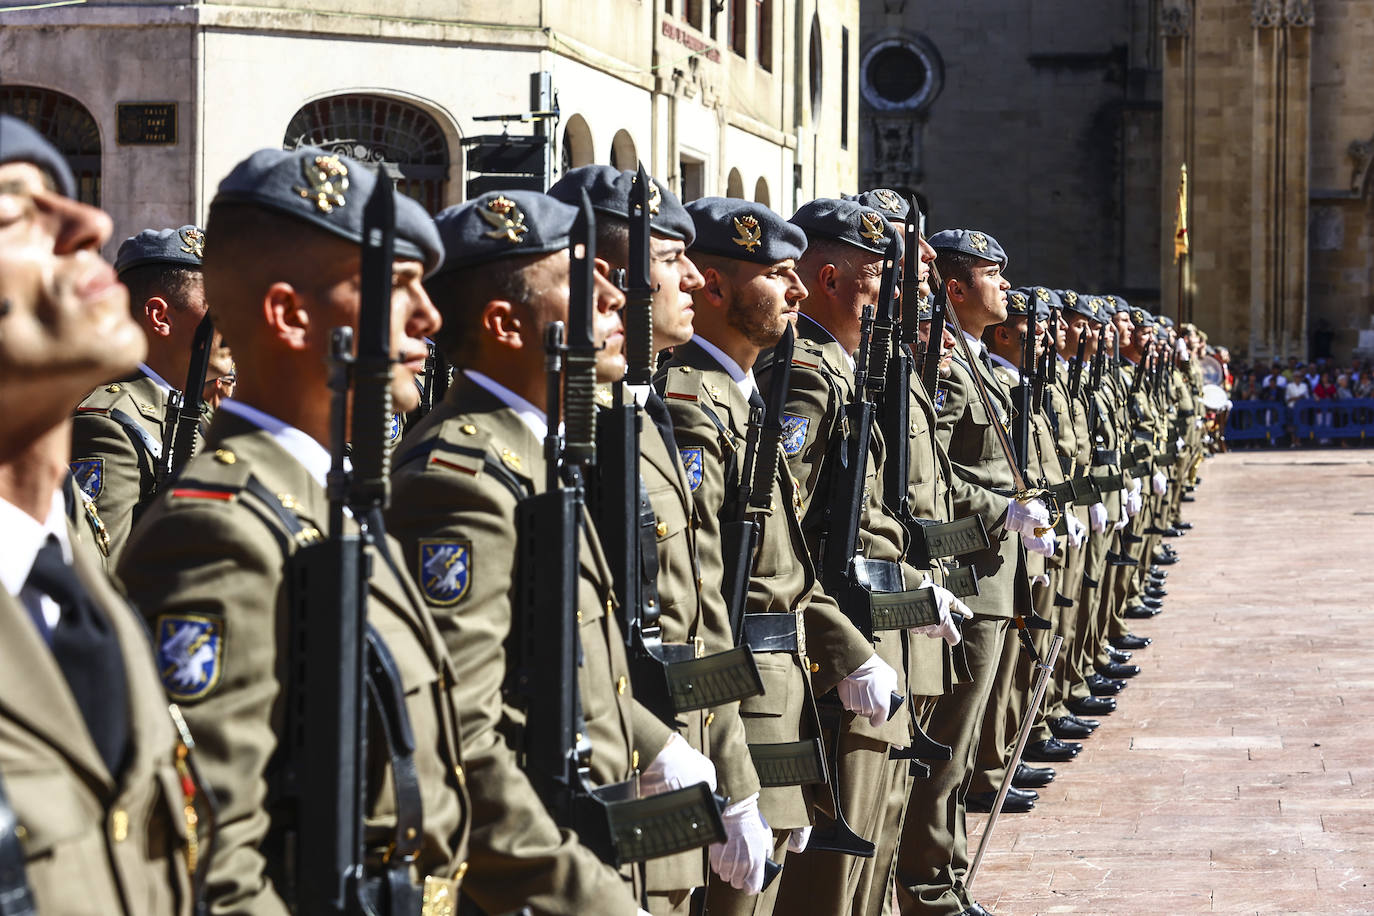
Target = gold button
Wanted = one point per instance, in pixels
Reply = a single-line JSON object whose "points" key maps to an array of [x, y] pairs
{"points": [[468, 430], [579, 616], [410, 833], [21, 831], [661, 529], [710, 717], [224, 456], [815, 668], [620, 685], [119, 825], [112, 388]]}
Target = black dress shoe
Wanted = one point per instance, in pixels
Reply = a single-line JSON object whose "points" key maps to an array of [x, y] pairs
{"points": [[1018, 801], [1102, 687], [1066, 727], [1189, 499], [1173, 532], [1052, 750], [1186, 526], [976, 910], [1091, 724], [1156, 603], [1029, 777], [1120, 656], [1166, 559], [1118, 670], [1154, 591], [1092, 706], [1131, 641], [1141, 612], [1157, 573]]}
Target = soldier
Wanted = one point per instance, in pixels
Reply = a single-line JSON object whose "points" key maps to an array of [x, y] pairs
{"points": [[120, 429], [689, 608], [933, 856], [459, 477], [91, 816], [211, 563]]}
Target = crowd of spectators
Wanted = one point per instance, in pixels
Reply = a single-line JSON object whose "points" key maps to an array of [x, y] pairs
{"points": [[1321, 379]]}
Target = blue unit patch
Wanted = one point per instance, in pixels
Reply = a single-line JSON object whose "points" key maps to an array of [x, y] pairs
{"points": [[941, 395], [393, 429], [90, 475], [190, 648], [692, 464], [794, 434], [445, 570]]}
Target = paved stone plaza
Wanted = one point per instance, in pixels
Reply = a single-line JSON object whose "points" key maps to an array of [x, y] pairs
{"points": [[1238, 774]]}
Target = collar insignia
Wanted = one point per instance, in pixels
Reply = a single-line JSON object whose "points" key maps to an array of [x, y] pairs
{"points": [[326, 179], [193, 242], [873, 227], [979, 242], [750, 233], [506, 220], [888, 200]]}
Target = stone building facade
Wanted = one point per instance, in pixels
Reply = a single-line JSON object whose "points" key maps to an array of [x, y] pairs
{"points": [[155, 101]]}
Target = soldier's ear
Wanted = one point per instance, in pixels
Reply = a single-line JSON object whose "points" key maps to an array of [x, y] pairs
{"points": [[500, 321], [284, 312], [155, 311], [828, 278], [715, 287]]}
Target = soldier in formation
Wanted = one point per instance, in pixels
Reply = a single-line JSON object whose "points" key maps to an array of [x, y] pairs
{"points": [[714, 576]]}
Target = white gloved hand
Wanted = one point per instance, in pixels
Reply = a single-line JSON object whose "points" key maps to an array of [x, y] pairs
{"points": [[798, 839], [678, 765], [1043, 545], [868, 690], [748, 840], [1120, 523], [949, 606], [1042, 579], [1097, 516], [1132, 499], [1024, 518], [1160, 483], [1198, 422], [1179, 443], [1078, 532]]}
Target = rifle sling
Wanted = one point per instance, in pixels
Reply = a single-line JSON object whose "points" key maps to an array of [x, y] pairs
{"points": [[15, 897]]}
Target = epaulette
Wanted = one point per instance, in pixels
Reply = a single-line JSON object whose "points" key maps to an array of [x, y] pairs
{"points": [[681, 383], [102, 399], [461, 447], [219, 477]]}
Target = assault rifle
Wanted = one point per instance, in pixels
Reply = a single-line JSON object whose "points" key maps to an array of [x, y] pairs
{"points": [[610, 820], [1076, 369], [182, 419]]}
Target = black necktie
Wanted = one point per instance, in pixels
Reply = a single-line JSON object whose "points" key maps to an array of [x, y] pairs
{"points": [[87, 650]]}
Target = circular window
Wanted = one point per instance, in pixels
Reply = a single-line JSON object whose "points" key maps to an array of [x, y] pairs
{"points": [[901, 74]]}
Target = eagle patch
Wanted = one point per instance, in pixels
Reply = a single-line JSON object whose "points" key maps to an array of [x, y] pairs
{"points": [[794, 434], [90, 475], [445, 569], [941, 395], [692, 466], [190, 648]]}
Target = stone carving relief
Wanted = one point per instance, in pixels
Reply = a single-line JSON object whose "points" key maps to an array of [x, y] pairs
{"points": [[1175, 18], [1266, 14], [1299, 13]]}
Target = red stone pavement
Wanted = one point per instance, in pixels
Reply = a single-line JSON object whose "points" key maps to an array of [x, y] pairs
{"points": [[1237, 775]]}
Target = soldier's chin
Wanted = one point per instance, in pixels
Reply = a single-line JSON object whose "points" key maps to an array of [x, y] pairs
{"points": [[405, 397], [610, 367]]}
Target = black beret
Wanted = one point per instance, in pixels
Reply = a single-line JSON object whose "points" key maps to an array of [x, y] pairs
{"points": [[969, 241], [1141, 318], [1100, 307], [21, 143], [1019, 301], [925, 310], [893, 206], [609, 191], [1164, 321], [184, 247], [1080, 305], [743, 230], [847, 221], [329, 192], [503, 224], [1119, 305]]}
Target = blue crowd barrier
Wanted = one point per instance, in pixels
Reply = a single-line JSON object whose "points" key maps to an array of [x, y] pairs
{"points": [[1332, 419], [1253, 420]]}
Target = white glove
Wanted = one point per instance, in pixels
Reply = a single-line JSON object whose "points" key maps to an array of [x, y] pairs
{"points": [[799, 838], [1097, 516], [1043, 545], [1078, 532], [1024, 518], [1043, 579], [748, 840], [1160, 483], [1132, 500], [1198, 423], [1179, 443], [948, 605], [678, 765], [1120, 523], [868, 690]]}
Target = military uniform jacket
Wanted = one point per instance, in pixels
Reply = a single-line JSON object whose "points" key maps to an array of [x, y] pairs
{"points": [[1042, 467], [820, 386], [459, 476], [208, 568], [117, 435], [94, 842], [965, 428]]}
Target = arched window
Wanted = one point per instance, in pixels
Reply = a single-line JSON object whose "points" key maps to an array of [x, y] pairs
{"points": [[761, 195], [623, 153], [577, 143], [67, 125], [404, 140], [734, 185]]}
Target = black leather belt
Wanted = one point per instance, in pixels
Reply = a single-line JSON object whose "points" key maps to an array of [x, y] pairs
{"points": [[770, 632], [1106, 456]]}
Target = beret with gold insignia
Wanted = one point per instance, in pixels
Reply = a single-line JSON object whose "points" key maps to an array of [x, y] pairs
{"points": [[1081, 305], [1141, 318], [326, 191], [503, 224], [609, 191], [743, 230], [184, 247], [969, 241], [1117, 304], [886, 201], [847, 221], [21, 143]]}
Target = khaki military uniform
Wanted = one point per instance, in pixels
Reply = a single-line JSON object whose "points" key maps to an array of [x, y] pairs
{"points": [[459, 476], [210, 561], [94, 842]]}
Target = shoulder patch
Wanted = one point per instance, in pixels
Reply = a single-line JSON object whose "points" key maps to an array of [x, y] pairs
{"points": [[90, 475], [692, 466], [941, 395], [190, 648], [445, 569], [393, 428], [794, 429]]}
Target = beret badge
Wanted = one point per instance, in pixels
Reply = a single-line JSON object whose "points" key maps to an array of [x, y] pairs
{"points": [[873, 227], [1071, 297], [1042, 294], [506, 220], [750, 235], [326, 180], [193, 242], [1018, 299], [888, 200], [978, 241]]}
